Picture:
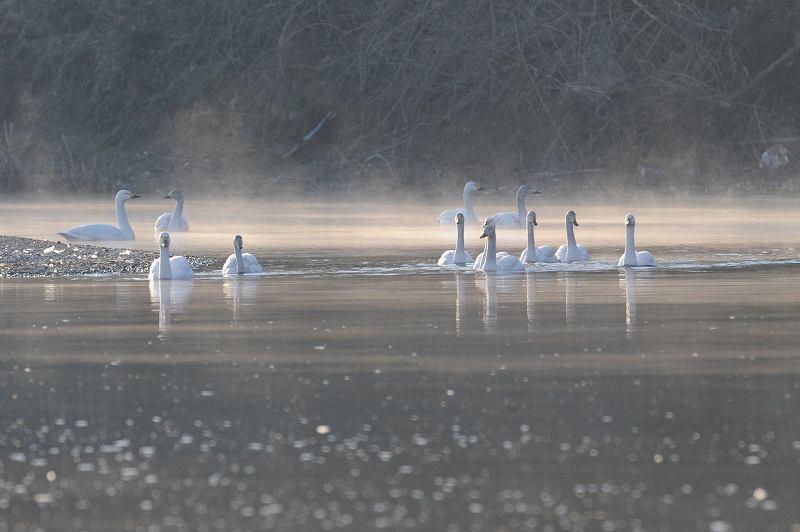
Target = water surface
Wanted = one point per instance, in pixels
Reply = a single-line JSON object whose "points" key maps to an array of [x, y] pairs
{"points": [[363, 388]]}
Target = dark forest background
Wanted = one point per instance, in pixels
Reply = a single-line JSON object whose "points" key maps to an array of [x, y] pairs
{"points": [[206, 94]]}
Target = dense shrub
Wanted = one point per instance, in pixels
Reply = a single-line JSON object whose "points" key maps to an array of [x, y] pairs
{"points": [[93, 88]]}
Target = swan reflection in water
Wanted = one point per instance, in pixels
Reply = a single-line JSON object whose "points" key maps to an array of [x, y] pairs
{"points": [[632, 278], [570, 288], [170, 296], [487, 283], [236, 289], [461, 302], [530, 298]]}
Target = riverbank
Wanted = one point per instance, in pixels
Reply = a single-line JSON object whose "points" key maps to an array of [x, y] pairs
{"points": [[27, 257]]}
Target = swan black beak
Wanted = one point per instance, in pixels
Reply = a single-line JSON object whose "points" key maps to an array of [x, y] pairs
{"points": [[134, 196], [575, 223], [534, 222], [483, 235], [480, 188], [168, 196]]}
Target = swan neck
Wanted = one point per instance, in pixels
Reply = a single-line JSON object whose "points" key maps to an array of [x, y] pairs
{"points": [[122, 217], [469, 211], [571, 244], [239, 259], [630, 248], [531, 243], [491, 253], [178, 211], [164, 269], [521, 213], [460, 240]]}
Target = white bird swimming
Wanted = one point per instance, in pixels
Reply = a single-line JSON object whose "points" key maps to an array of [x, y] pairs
{"points": [[239, 263], [571, 251], [106, 231], [631, 257], [173, 221], [492, 261], [515, 219], [456, 257], [165, 267], [533, 254], [470, 217]]}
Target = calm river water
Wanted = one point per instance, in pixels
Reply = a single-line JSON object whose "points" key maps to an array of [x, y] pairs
{"points": [[357, 386]]}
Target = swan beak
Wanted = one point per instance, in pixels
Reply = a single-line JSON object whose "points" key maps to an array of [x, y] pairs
{"points": [[534, 193], [575, 223], [134, 196], [479, 188], [534, 222], [483, 235], [168, 196]]}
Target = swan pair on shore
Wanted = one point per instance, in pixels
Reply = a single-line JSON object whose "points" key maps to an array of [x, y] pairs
{"points": [[501, 219], [123, 231], [178, 267]]}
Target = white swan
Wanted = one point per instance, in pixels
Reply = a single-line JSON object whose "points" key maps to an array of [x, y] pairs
{"points": [[515, 219], [631, 257], [470, 217], [532, 253], [240, 263], [106, 231], [492, 261], [173, 221], [456, 257], [165, 267], [571, 252]]}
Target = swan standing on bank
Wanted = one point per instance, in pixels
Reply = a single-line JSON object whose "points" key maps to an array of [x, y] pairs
{"points": [[456, 257], [165, 267], [517, 219], [106, 231], [240, 263], [172, 221], [631, 257], [470, 217], [532, 253], [571, 251], [492, 261]]}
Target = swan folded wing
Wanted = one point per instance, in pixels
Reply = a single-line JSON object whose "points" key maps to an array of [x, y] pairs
{"points": [[545, 254], [506, 219], [446, 217], [229, 268], [153, 273], [645, 258], [251, 264], [95, 232], [480, 260], [178, 224], [447, 258], [181, 269], [561, 253], [508, 263]]}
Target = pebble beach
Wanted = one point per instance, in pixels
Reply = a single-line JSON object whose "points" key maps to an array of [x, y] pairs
{"points": [[27, 257]]}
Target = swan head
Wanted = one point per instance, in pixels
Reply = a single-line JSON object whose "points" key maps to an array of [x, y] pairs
{"points": [[532, 218], [459, 219], [571, 218], [163, 240], [630, 220], [125, 195], [238, 243], [174, 194], [488, 230], [472, 186]]}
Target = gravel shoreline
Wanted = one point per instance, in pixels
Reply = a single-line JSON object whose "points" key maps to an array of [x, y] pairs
{"points": [[27, 257]]}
